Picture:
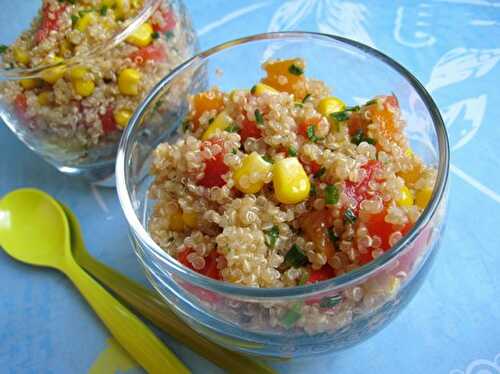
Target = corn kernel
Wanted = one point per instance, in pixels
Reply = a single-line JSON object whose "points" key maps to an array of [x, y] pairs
{"points": [[220, 123], [291, 183], [122, 116], [261, 88], [142, 36], [190, 219], [330, 105], [108, 3], [423, 196], [250, 176], [408, 152], [21, 56], [28, 84], [176, 222], [122, 7], [52, 75], [44, 98], [406, 197], [84, 87], [85, 21], [78, 72], [393, 286], [128, 82]]}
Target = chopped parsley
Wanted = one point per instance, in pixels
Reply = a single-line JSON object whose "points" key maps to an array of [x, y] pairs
{"points": [[234, 151], [253, 89], [306, 97], [330, 302], [169, 34], [320, 172], [268, 159], [360, 137], [331, 194], [258, 117], [349, 216], [311, 135], [292, 315], [3, 48], [333, 237], [354, 108], [295, 257], [295, 70], [304, 278], [312, 191], [340, 116], [210, 120], [74, 19], [292, 152], [186, 125], [155, 35], [232, 128], [272, 236], [373, 101], [103, 10]]}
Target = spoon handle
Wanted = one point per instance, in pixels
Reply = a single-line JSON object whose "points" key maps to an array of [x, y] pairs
{"points": [[146, 303], [135, 337]]}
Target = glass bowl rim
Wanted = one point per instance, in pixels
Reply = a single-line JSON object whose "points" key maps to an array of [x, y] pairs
{"points": [[150, 6], [337, 283]]}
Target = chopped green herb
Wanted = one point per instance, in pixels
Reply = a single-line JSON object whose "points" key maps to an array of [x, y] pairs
{"points": [[354, 108], [292, 152], [186, 125], [349, 216], [253, 89], [311, 135], [320, 172], [74, 19], [340, 116], [157, 105], [295, 70], [292, 315], [304, 278], [330, 302], [210, 120], [258, 117], [360, 137], [373, 101], [234, 151], [306, 97], [155, 35], [333, 237], [3, 48], [268, 159], [272, 236], [295, 257], [312, 191], [169, 34], [103, 10], [232, 128], [331, 194], [299, 105], [81, 13]]}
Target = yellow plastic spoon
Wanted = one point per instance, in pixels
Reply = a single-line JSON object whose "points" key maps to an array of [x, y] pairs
{"points": [[150, 306], [34, 230]]}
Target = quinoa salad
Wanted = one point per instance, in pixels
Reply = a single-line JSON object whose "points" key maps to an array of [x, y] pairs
{"points": [[84, 101], [283, 185]]}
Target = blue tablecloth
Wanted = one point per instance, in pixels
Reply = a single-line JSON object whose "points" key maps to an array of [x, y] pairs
{"points": [[452, 325]]}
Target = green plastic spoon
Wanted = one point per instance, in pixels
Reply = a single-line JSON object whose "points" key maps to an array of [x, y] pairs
{"points": [[34, 230], [149, 305]]}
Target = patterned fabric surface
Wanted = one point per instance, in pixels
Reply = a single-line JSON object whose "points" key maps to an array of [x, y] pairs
{"points": [[452, 325]]}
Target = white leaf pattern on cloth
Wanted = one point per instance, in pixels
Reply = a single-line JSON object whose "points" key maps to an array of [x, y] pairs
{"points": [[461, 129], [288, 15], [419, 37], [343, 18], [461, 63]]}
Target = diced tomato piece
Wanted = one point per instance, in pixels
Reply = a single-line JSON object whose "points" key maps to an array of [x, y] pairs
{"points": [[49, 22], [322, 274], [21, 104], [315, 225], [168, 22], [153, 52], [364, 258], [420, 245], [359, 191], [303, 126], [210, 269], [108, 121], [249, 129], [215, 168], [378, 226]]}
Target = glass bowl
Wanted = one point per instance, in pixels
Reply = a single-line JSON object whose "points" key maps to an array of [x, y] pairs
{"points": [[255, 320], [61, 86]]}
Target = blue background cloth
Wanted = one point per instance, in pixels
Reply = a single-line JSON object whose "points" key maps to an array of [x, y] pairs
{"points": [[452, 325]]}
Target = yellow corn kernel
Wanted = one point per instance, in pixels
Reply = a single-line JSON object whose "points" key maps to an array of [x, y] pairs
{"points": [[136, 3], [66, 48], [128, 82], [423, 196], [28, 84], [122, 116], [176, 223], [21, 56], [250, 176], [108, 3], [261, 88], [122, 8], [84, 87], [408, 152], [393, 285], [291, 183], [406, 197], [142, 36], [44, 98], [219, 124], [78, 73], [52, 75], [190, 220], [85, 21], [330, 105]]}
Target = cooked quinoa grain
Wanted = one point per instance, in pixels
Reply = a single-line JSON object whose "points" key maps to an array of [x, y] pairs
{"points": [[284, 184]]}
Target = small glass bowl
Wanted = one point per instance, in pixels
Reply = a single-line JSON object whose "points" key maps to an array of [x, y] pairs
{"points": [[39, 98], [356, 304]]}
